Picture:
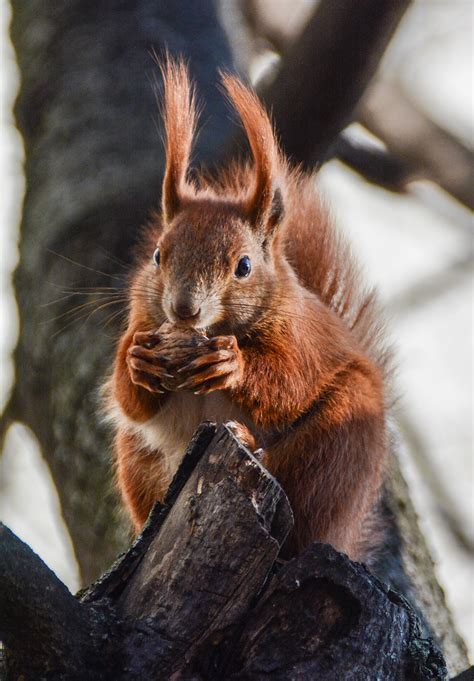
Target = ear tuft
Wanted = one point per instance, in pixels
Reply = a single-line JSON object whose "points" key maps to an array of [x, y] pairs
{"points": [[264, 205], [180, 120]]}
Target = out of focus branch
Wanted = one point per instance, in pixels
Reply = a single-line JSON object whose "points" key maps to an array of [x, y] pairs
{"points": [[376, 165], [419, 567], [417, 147], [409, 134], [325, 72]]}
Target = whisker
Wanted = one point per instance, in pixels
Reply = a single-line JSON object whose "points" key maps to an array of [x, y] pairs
{"points": [[84, 267], [266, 308], [73, 321], [74, 312], [113, 258], [102, 291], [113, 316], [74, 289], [73, 294]]}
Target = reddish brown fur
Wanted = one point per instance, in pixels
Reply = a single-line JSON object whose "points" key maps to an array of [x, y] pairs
{"points": [[132, 471], [295, 348], [261, 139], [179, 115]]}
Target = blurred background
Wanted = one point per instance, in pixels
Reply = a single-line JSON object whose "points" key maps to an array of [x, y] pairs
{"points": [[416, 247]]}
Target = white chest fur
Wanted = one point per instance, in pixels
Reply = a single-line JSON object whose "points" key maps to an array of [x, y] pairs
{"points": [[169, 432]]}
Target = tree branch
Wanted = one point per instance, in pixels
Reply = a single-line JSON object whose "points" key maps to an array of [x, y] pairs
{"points": [[43, 626], [432, 152], [419, 567], [417, 148], [376, 165], [324, 602], [325, 72]]}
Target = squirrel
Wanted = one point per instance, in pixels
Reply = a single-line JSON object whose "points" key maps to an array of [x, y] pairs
{"points": [[246, 305]]}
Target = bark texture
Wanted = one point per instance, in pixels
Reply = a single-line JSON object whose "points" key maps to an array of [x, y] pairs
{"points": [[201, 595]]}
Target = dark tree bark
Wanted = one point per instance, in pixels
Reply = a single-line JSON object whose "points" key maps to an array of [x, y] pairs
{"points": [[43, 627], [201, 596]]}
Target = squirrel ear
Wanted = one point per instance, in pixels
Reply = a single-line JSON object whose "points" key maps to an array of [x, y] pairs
{"points": [[265, 210], [272, 219], [264, 206], [277, 210], [180, 119]]}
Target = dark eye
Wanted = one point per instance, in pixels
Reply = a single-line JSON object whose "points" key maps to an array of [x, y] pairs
{"points": [[244, 267], [156, 257]]}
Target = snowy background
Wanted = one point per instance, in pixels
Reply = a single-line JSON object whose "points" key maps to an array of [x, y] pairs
{"points": [[404, 241]]}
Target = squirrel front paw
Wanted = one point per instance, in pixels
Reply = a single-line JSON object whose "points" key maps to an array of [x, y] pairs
{"points": [[172, 359], [147, 367], [220, 367]]}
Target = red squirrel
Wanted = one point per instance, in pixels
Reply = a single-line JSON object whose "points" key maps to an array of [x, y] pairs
{"points": [[246, 305]]}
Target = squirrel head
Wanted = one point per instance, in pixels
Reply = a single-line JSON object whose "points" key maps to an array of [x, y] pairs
{"points": [[217, 253]]}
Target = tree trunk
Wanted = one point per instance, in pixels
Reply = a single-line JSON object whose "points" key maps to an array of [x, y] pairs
{"points": [[94, 165]]}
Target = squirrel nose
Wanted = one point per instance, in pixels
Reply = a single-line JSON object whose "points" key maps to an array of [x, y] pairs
{"points": [[186, 310]]}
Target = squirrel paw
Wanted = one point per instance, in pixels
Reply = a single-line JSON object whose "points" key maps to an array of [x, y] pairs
{"points": [[146, 366], [219, 368], [242, 433]]}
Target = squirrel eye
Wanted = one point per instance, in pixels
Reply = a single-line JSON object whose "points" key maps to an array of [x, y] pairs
{"points": [[156, 257], [244, 267]]}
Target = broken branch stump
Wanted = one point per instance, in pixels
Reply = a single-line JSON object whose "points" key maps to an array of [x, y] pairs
{"points": [[202, 595]]}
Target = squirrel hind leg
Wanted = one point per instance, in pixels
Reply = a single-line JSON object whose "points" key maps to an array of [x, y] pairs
{"points": [[245, 436], [141, 476]]}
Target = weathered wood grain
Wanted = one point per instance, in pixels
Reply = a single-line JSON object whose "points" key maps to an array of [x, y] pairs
{"points": [[202, 595]]}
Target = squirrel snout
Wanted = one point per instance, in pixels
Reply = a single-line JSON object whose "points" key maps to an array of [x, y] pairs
{"points": [[186, 310]]}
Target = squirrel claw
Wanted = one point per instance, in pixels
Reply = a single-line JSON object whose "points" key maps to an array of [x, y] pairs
{"points": [[206, 360], [147, 339], [214, 377]]}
